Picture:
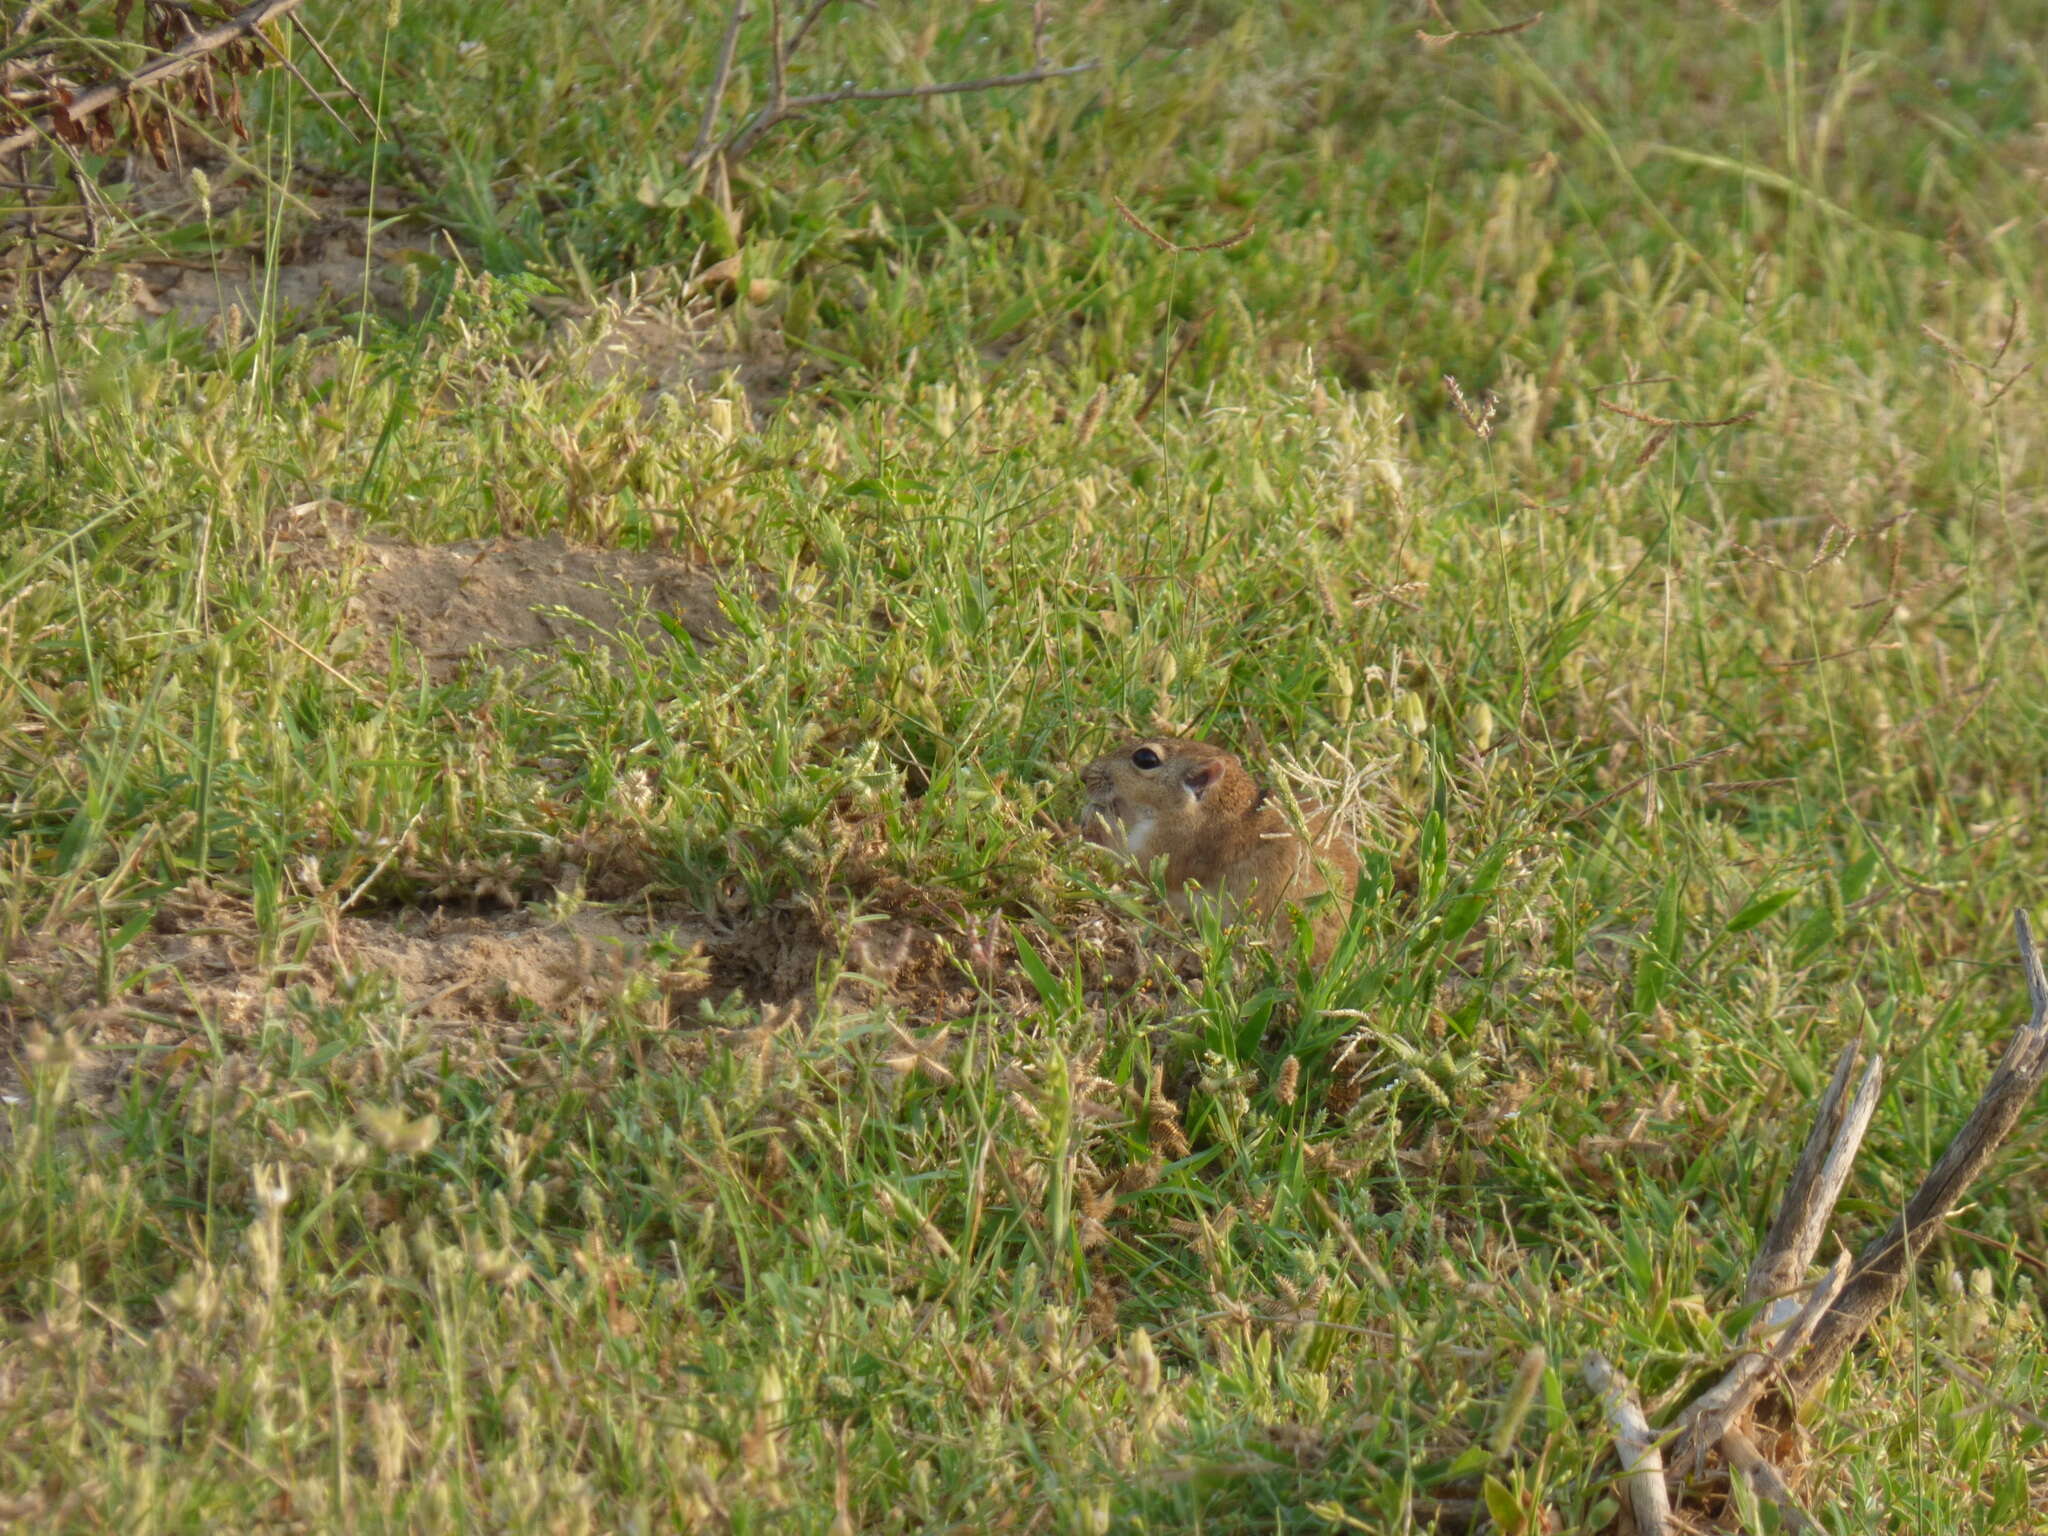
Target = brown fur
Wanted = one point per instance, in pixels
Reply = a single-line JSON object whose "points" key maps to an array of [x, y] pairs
{"points": [[1202, 812]]}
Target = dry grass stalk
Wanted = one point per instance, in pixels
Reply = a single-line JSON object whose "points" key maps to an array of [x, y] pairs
{"points": [[1091, 417], [1180, 349], [1437, 41], [1673, 423], [1480, 416], [1994, 389], [1665, 428], [1644, 777], [1165, 244]]}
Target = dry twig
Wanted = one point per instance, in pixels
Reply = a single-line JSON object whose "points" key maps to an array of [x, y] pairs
{"points": [[181, 60], [1642, 1463], [803, 28], [1767, 1482], [781, 106], [285, 63], [719, 79], [1886, 1264], [1712, 1415], [1849, 1299], [796, 106], [778, 57], [313, 41], [1817, 1181]]}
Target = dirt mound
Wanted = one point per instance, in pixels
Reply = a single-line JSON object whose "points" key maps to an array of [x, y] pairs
{"points": [[339, 249], [334, 269], [536, 595], [203, 965], [203, 957], [511, 598]]}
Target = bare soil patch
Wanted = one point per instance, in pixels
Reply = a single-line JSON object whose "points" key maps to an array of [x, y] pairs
{"points": [[340, 250], [212, 240], [473, 976], [203, 957], [203, 964], [512, 600], [333, 269]]}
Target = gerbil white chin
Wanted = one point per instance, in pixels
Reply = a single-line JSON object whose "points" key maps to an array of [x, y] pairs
{"points": [[1138, 836]]}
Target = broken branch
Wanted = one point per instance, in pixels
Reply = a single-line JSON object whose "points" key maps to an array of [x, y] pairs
{"points": [[1816, 1182], [1766, 1482], [313, 41], [1886, 1264], [1642, 1463], [744, 139], [179, 61], [719, 80], [796, 38], [1720, 1409]]}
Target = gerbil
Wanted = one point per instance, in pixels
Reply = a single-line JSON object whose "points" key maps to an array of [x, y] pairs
{"points": [[1195, 806]]}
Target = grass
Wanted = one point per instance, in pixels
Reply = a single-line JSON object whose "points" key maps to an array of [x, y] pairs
{"points": [[1689, 753]]}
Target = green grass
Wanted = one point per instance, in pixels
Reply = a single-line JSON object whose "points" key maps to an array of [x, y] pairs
{"points": [[1078, 1261]]}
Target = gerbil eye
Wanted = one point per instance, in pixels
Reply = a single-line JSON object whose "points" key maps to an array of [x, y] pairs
{"points": [[1146, 758]]}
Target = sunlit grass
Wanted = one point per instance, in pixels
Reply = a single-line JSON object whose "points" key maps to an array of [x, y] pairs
{"points": [[1684, 755]]}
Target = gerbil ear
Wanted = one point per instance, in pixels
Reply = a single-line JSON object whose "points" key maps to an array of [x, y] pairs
{"points": [[1203, 779]]}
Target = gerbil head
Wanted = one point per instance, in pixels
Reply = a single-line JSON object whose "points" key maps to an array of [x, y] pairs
{"points": [[1150, 793]]}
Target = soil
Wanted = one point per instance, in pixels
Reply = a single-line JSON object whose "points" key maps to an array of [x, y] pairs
{"points": [[329, 263], [343, 250], [210, 244], [507, 601], [471, 976], [333, 270], [481, 966]]}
